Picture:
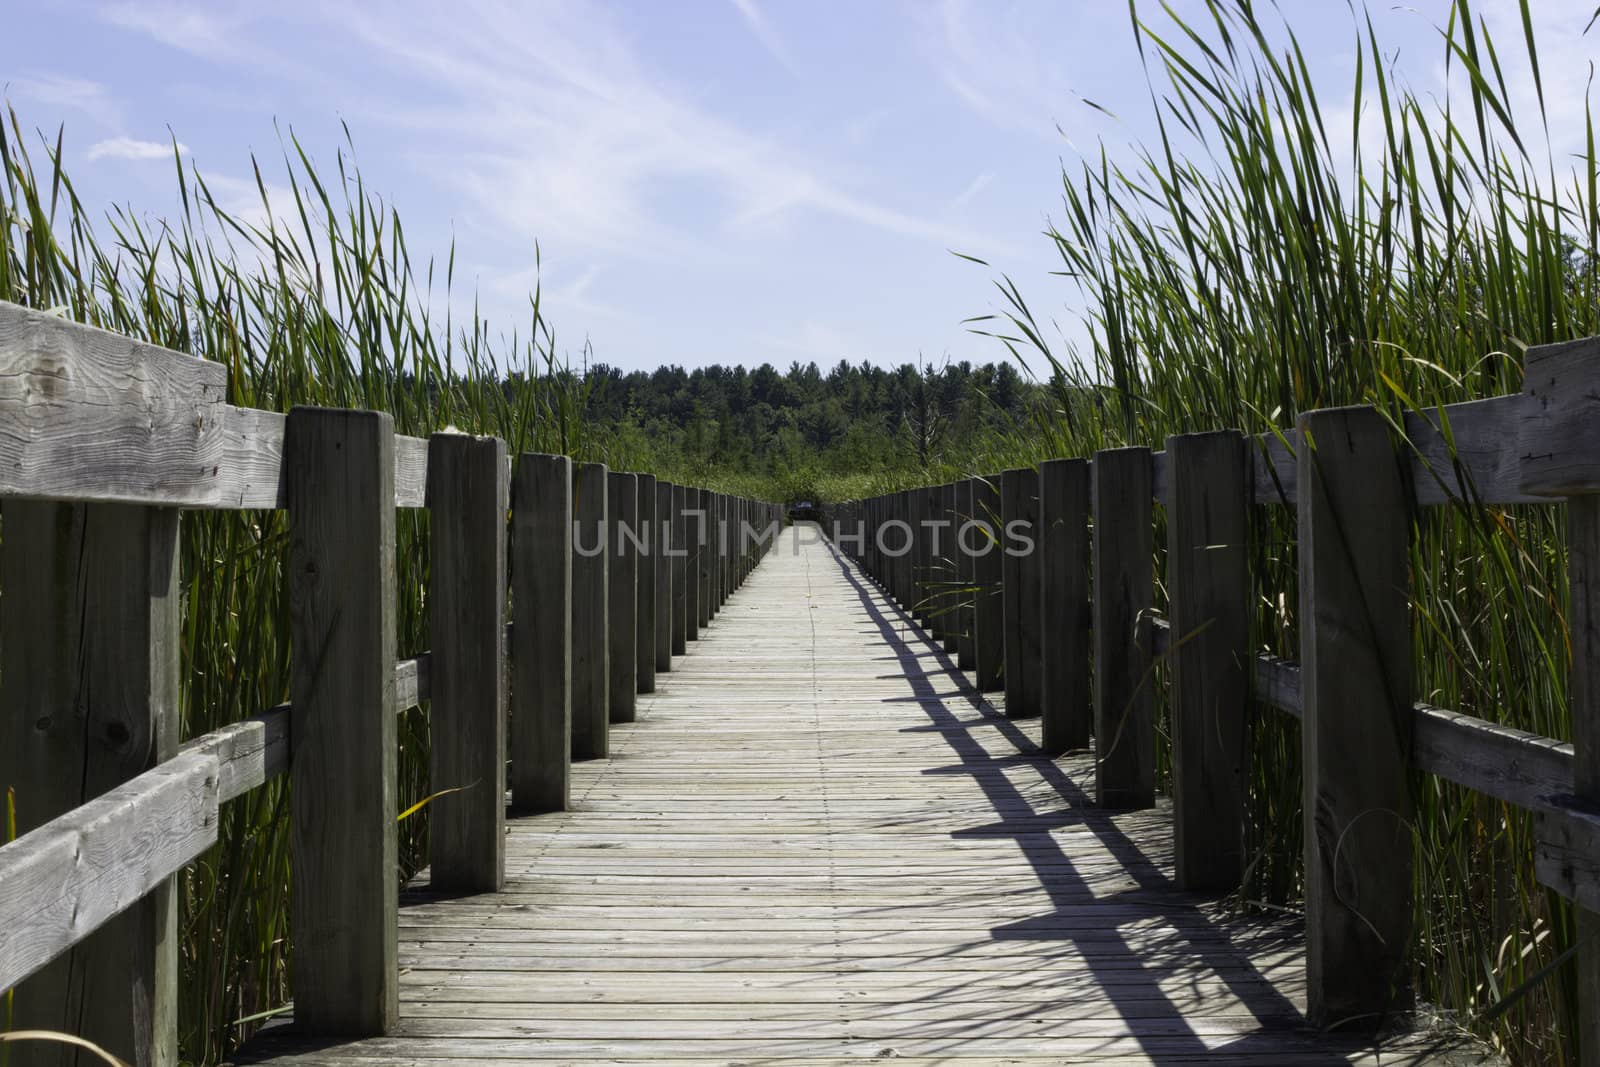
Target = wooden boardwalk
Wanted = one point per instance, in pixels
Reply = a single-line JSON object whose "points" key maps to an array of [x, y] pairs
{"points": [[819, 842]]}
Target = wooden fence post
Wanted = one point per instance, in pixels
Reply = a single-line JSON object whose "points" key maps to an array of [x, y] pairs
{"points": [[89, 673], [1208, 585], [681, 610], [1064, 604], [966, 562], [645, 556], [1583, 577], [1125, 765], [719, 574], [1019, 509], [694, 530], [622, 590], [907, 561], [468, 497], [591, 672], [661, 545], [1356, 726], [988, 600], [921, 591], [949, 575], [339, 484], [541, 660], [702, 558]]}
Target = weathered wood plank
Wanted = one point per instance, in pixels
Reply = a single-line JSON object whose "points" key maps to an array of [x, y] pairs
{"points": [[1124, 716], [468, 497], [1208, 584], [1355, 660], [96, 416], [99, 417], [1566, 858], [1557, 441], [541, 639], [249, 753], [340, 487], [591, 599], [62, 881], [90, 618]]}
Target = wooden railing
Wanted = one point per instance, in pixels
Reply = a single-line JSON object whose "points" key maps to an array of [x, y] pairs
{"points": [[1069, 632], [104, 442]]}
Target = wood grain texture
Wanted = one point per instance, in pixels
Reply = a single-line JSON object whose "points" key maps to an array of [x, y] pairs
{"points": [[988, 622], [1557, 441], [89, 665], [541, 639], [249, 753], [1124, 715], [468, 499], [819, 845], [340, 481], [97, 417], [591, 672], [645, 560], [1019, 562], [1208, 584], [1357, 722], [622, 590], [63, 881], [1566, 858], [1065, 681]]}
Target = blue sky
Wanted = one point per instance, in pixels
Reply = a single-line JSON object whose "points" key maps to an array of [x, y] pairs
{"points": [[735, 181]]}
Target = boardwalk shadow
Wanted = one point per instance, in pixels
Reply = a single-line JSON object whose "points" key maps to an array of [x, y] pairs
{"points": [[1145, 943]]}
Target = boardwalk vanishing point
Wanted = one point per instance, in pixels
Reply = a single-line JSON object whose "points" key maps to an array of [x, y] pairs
{"points": [[819, 842]]}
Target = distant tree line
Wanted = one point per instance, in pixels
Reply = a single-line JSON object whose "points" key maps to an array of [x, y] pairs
{"points": [[804, 432]]}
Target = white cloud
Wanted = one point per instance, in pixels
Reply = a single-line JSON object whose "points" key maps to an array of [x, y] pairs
{"points": [[133, 149], [1006, 64], [72, 94], [974, 187], [553, 126], [762, 30], [181, 26]]}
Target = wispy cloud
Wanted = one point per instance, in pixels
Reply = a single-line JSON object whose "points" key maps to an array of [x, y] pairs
{"points": [[998, 59], [553, 126], [182, 26], [762, 30], [133, 149], [88, 98], [974, 187]]}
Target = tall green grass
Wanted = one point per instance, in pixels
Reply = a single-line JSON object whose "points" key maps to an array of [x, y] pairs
{"points": [[1235, 273], [314, 301]]}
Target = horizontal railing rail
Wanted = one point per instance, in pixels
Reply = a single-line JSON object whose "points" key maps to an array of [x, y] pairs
{"points": [[104, 441]]}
